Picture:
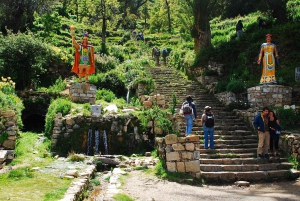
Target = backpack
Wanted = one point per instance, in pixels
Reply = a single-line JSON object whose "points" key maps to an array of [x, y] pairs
{"points": [[165, 52], [187, 109], [157, 52], [209, 122]]}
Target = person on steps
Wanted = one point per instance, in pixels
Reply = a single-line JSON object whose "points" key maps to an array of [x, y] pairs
{"points": [[207, 121], [274, 137], [190, 113], [261, 123]]}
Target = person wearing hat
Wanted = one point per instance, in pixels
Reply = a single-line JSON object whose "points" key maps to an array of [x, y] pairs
{"points": [[84, 62], [190, 113], [207, 121]]}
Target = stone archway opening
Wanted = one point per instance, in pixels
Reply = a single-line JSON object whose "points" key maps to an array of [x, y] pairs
{"points": [[34, 123]]}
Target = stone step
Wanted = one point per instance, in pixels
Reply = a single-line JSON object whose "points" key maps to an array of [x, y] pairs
{"points": [[228, 151], [225, 146], [252, 176], [240, 161], [245, 167], [229, 155]]}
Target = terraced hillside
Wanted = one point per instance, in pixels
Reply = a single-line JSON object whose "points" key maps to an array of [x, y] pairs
{"points": [[234, 155]]}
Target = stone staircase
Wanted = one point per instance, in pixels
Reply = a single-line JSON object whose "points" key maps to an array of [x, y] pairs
{"points": [[234, 155]]}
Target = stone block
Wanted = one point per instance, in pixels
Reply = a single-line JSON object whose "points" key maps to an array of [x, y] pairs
{"points": [[8, 113], [196, 154], [181, 139], [171, 139], [178, 147], [192, 166], [171, 166], [172, 156], [180, 166], [192, 138], [190, 146], [9, 144], [187, 155]]}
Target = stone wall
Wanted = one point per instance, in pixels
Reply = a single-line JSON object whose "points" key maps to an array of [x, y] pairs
{"points": [[181, 154], [83, 93], [230, 97], [269, 95], [8, 134], [290, 143], [120, 130]]}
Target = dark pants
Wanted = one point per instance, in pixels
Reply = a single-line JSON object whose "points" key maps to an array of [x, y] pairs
{"points": [[274, 139]]}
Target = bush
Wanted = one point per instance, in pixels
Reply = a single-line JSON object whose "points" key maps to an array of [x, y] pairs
{"points": [[105, 63], [236, 86], [106, 95], [288, 118], [27, 60], [56, 106]]}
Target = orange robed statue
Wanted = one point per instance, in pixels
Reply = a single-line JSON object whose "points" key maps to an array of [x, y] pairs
{"points": [[84, 64]]}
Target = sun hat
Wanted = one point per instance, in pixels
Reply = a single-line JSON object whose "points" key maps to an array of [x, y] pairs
{"points": [[207, 107]]}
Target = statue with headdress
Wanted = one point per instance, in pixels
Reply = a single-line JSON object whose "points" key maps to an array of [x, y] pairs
{"points": [[268, 55], [84, 62]]}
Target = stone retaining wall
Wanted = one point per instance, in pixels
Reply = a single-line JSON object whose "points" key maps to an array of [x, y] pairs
{"points": [[8, 133], [269, 95], [181, 154], [83, 93]]}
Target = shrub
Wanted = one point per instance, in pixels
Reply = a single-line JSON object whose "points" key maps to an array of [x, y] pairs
{"points": [[12, 102], [236, 86], [27, 60], [288, 117], [56, 106], [106, 95], [105, 63]]}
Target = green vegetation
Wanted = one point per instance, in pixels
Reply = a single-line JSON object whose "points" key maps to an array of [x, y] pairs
{"points": [[122, 197], [31, 152]]}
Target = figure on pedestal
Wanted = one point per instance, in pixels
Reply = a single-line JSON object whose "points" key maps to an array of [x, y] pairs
{"points": [[269, 56], [84, 64]]}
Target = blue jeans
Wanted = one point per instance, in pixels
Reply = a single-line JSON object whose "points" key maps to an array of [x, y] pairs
{"points": [[189, 124], [210, 132]]}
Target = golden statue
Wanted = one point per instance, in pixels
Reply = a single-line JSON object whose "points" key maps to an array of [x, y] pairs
{"points": [[84, 63], [268, 54]]}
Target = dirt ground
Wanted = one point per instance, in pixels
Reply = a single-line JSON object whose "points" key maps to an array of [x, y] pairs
{"points": [[144, 187]]}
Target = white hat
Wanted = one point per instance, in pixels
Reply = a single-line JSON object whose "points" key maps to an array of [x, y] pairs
{"points": [[207, 107]]}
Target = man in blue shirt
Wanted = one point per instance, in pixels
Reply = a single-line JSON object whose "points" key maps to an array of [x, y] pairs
{"points": [[260, 123]]}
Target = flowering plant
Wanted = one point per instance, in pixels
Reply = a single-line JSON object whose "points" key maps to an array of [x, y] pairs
{"points": [[7, 86]]}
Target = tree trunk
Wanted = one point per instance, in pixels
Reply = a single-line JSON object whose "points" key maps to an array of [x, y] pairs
{"points": [[201, 29], [169, 16]]}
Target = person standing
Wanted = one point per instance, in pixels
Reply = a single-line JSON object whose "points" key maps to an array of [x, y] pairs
{"points": [[269, 56], [261, 123], [84, 62], [208, 122], [274, 137], [239, 29], [190, 113]]}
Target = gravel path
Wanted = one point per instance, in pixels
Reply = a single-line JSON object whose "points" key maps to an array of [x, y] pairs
{"points": [[144, 187]]}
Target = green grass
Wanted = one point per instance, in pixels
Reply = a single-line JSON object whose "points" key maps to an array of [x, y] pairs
{"points": [[122, 197], [22, 183]]}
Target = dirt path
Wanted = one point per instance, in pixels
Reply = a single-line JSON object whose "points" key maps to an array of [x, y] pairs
{"points": [[144, 187]]}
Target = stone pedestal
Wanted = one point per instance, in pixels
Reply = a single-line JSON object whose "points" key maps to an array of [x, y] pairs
{"points": [[83, 93], [269, 95]]}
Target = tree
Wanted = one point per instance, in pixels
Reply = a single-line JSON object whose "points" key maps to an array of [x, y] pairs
{"points": [[18, 15], [200, 30]]}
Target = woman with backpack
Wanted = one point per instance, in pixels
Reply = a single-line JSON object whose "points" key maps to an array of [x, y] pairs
{"points": [[190, 113], [208, 123]]}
